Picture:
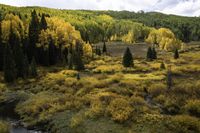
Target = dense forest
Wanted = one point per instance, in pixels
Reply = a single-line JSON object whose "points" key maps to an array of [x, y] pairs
{"points": [[81, 71]]}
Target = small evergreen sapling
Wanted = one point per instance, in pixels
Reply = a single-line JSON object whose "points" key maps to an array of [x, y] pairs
{"points": [[128, 58], [176, 54]]}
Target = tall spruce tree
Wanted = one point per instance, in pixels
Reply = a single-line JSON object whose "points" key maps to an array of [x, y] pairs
{"points": [[33, 68], [25, 67], [104, 48], [169, 79], [1, 49], [154, 53], [43, 22], [128, 58], [149, 54], [176, 54], [9, 65], [34, 31], [52, 52], [70, 57], [78, 63]]}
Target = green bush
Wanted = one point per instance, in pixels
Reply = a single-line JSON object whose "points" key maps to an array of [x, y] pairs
{"points": [[157, 89], [193, 107], [183, 124], [4, 127]]}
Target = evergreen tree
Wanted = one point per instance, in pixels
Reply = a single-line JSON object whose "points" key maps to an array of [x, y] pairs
{"points": [[1, 50], [176, 54], [25, 67], [43, 22], [104, 48], [162, 66], [19, 60], [78, 76], [70, 57], [70, 61], [45, 56], [52, 52], [149, 54], [33, 68], [34, 30], [128, 58], [9, 65], [78, 63], [169, 79], [154, 53]]}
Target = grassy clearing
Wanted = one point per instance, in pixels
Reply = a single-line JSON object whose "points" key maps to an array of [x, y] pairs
{"points": [[110, 98]]}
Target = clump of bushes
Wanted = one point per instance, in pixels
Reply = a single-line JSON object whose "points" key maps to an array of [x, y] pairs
{"points": [[42, 106], [108, 69], [193, 107], [183, 124], [157, 89], [4, 127], [96, 109], [120, 109]]}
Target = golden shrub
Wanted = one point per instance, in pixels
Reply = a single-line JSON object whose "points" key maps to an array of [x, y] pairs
{"points": [[120, 109]]}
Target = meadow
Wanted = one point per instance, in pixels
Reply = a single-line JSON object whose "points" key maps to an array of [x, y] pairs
{"points": [[110, 98]]}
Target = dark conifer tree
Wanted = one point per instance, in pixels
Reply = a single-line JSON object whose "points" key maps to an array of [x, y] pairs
{"points": [[1, 49], [25, 67], [104, 48], [154, 53], [70, 57], [128, 58], [169, 79], [78, 76], [162, 66], [9, 65], [176, 54], [46, 57], [99, 51], [33, 68], [52, 52], [34, 30], [19, 60], [77, 60], [149, 54], [43, 22]]}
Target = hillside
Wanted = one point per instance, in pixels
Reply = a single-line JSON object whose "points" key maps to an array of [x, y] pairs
{"points": [[185, 28]]}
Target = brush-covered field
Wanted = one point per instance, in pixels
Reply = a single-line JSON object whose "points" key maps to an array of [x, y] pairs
{"points": [[109, 98]]}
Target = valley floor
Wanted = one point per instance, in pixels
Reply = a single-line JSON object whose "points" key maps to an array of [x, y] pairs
{"points": [[109, 98]]}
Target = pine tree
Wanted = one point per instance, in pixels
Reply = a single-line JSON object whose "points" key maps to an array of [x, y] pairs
{"points": [[78, 63], [33, 68], [52, 52], [104, 48], [176, 54], [1, 50], [162, 66], [128, 58], [46, 57], [43, 22], [25, 67], [70, 57], [78, 76], [19, 60], [169, 79], [9, 65], [154, 53], [34, 31], [70, 61], [149, 54]]}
